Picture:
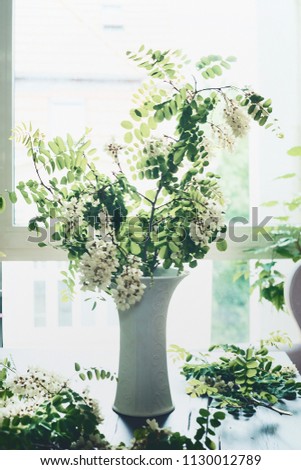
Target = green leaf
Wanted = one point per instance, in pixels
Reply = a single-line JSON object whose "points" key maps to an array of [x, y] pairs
{"points": [[152, 123], [128, 137], [70, 176], [127, 125], [217, 70], [193, 263], [56, 236], [267, 103], [135, 248], [134, 115], [287, 175], [82, 376], [12, 196], [263, 120], [138, 134], [203, 412], [251, 373], [225, 64], [83, 164], [210, 72], [60, 163], [70, 141], [150, 193], [221, 245], [219, 415], [61, 144], [179, 155], [175, 248], [85, 146], [252, 364], [144, 130], [163, 252], [251, 109], [159, 116], [77, 367], [215, 423], [295, 152], [270, 203], [54, 147], [2, 204]]}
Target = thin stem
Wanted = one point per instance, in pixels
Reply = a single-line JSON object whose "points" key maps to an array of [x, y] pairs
{"points": [[171, 138], [195, 85], [8, 368], [271, 407], [172, 84], [37, 170], [151, 219], [135, 190]]}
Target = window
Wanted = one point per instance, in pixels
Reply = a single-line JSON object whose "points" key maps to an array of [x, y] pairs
{"points": [[70, 71]]}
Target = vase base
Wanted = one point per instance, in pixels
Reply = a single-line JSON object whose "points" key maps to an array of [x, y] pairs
{"points": [[165, 411]]}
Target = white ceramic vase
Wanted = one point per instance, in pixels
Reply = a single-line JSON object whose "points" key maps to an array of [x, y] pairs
{"points": [[143, 386]]}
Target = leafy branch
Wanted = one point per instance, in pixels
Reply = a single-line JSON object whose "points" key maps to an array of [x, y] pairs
{"points": [[242, 379], [94, 372]]}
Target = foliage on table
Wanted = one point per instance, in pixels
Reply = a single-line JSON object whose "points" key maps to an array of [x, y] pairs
{"points": [[39, 410], [114, 231], [240, 380], [152, 437], [286, 244]]}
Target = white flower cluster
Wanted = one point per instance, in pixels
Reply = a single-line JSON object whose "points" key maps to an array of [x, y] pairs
{"points": [[156, 146], [37, 382], [94, 441], [290, 370], [129, 288], [97, 265], [238, 120], [153, 425], [34, 388], [224, 136], [235, 123], [29, 392], [15, 407], [209, 147], [207, 224], [73, 209], [113, 149]]}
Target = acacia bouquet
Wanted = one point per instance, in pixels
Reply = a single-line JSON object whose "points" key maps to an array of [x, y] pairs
{"points": [[114, 230]]}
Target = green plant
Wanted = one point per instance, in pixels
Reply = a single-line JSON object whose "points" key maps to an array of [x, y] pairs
{"points": [[114, 231], [151, 437], [40, 410], [241, 379], [286, 243]]}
